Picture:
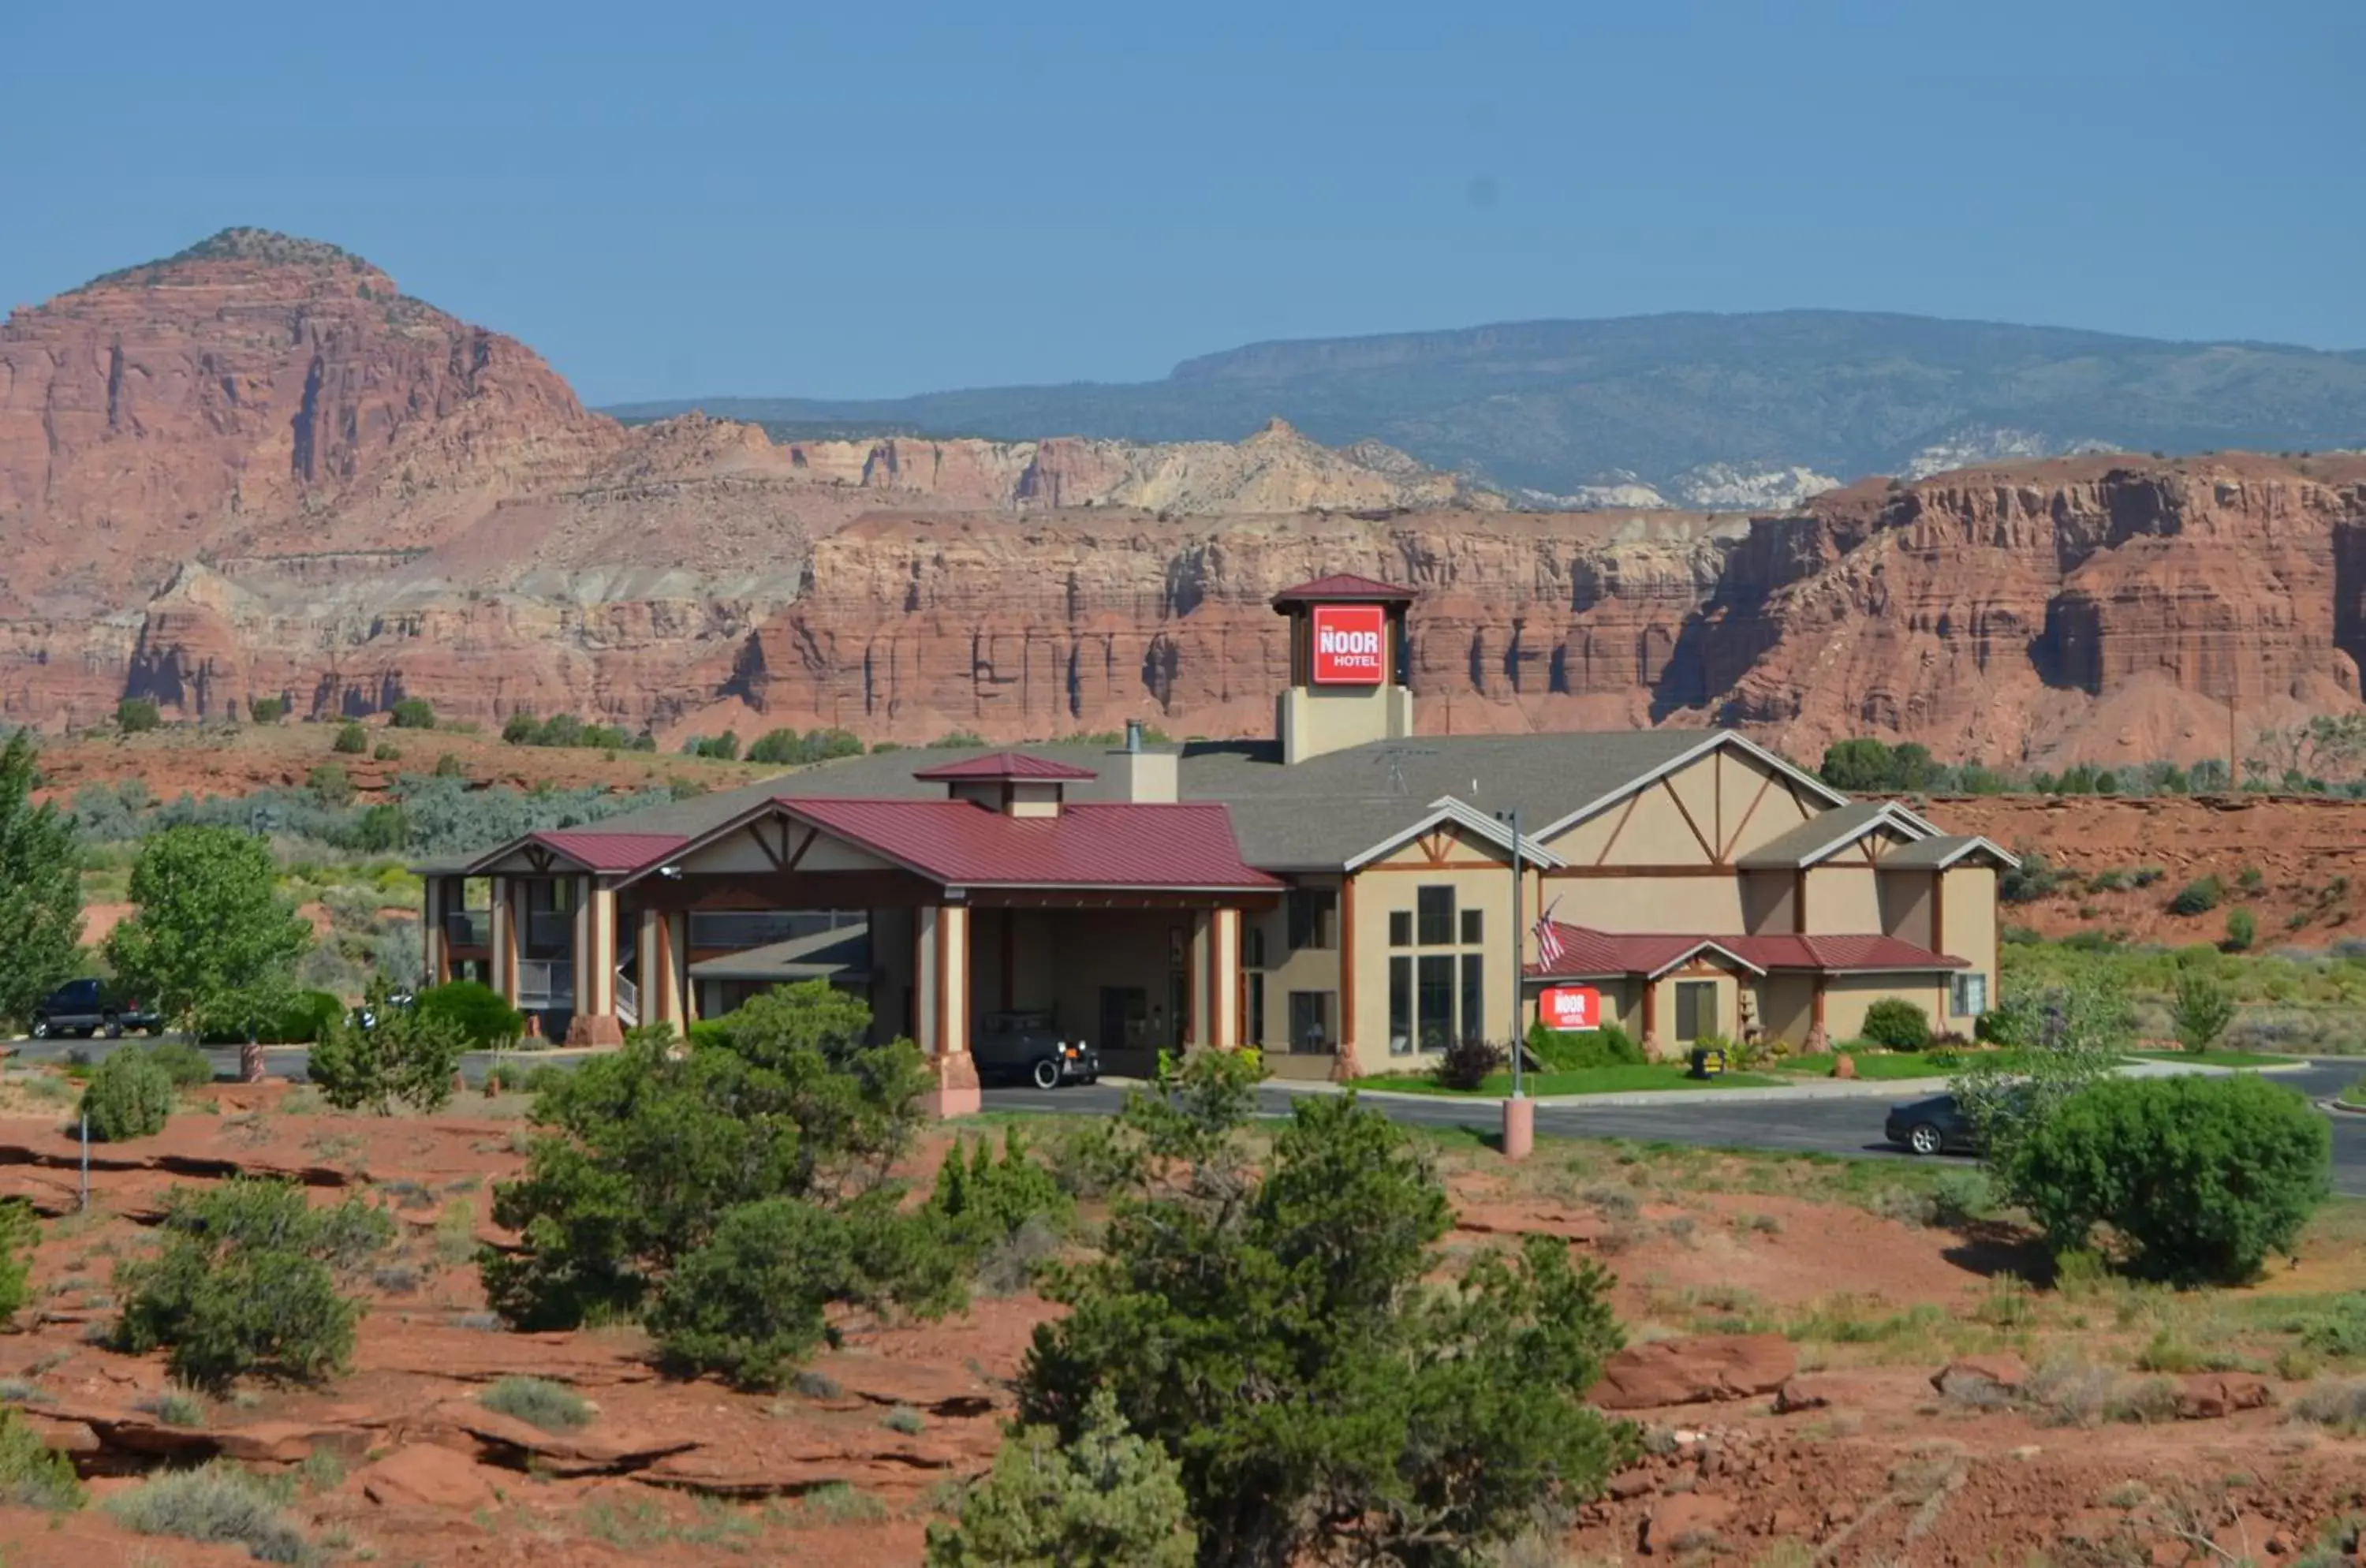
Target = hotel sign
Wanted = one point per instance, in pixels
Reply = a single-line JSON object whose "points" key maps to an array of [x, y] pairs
{"points": [[1569, 1009], [1349, 643]]}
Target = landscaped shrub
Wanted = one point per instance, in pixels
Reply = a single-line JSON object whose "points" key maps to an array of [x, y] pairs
{"points": [[19, 1232], [2201, 1178], [245, 1282], [1571, 1051], [2198, 896], [187, 1067], [32, 1473], [352, 739], [1464, 1064], [1108, 1500], [219, 1502], [538, 1402], [130, 1096], [1896, 1024], [483, 1018]]}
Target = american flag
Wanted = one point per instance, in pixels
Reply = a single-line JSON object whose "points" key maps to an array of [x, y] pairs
{"points": [[1547, 935]]}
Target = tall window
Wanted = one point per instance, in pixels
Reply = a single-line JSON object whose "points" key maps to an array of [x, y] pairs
{"points": [[1474, 1020], [1310, 1022], [1434, 909], [1695, 1008], [1400, 1007], [1434, 1000], [1252, 945], [1313, 917], [1399, 927], [1970, 997], [1256, 1007]]}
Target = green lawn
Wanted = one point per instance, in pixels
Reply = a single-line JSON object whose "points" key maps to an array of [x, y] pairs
{"points": [[1591, 1080], [1880, 1068], [2215, 1058], [2355, 1094]]}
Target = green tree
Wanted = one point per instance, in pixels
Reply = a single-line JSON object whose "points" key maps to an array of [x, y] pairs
{"points": [[2201, 1178], [777, 745], [406, 1058], [2063, 1039], [246, 1281], [209, 939], [2242, 930], [1108, 1500], [41, 888], [643, 1155], [1863, 764], [136, 715], [1283, 1338], [2202, 1010]]}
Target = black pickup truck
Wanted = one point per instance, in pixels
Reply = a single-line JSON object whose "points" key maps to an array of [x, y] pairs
{"points": [[88, 1008]]}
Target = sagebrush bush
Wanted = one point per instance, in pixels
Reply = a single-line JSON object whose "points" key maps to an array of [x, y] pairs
{"points": [[187, 1067], [2198, 896], [538, 1402], [1895, 1025], [32, 1473], [1106, 1500], [20, 1231], [2201, 1178], [219, 1502], [2341, 1330], [245, 1281], [130, 1096]]}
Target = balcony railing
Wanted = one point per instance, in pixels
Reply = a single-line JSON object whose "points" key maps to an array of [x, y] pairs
{"points": [[732, 929], [546, 984], [468, 928], [549, 930]]}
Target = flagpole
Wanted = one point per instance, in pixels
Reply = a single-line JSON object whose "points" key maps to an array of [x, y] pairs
{"points": [[1519, 967]]}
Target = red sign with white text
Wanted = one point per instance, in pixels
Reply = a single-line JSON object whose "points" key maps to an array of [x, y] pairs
{"points": [[1348, 644], [1570, 1008]]}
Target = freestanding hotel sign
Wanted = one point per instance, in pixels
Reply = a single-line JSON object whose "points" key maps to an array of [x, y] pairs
{"points": [[1349, 644]]}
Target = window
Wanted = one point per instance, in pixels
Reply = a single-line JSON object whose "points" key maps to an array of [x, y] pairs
{"points": [[1696, 1009], [1313, 917], [1474, 993], [1256, 1008], [1309, 1022], [1474, 928], [1436, 907], [1970, 995], [1434, 1002], [1399, 927], [1252, 946], [1401, 1006]]}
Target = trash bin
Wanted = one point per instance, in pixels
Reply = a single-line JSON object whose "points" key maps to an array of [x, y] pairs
{"points": [[1707, 1062]]}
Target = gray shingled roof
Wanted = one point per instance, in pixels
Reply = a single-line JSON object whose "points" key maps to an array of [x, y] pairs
{"points": [[1312, 817], [1937, 854], [842, 951], [1811, 840]]}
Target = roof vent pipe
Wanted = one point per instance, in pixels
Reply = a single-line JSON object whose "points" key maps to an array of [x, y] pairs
{"points": [[1134, 737]]}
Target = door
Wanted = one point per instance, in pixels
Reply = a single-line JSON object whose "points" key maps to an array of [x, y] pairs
{"points": [[1125, 1011], [1696, 1009]]}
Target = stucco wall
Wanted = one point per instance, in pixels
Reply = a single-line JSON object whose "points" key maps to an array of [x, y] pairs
{"points": [[1786, 1004], [1968, 922], [1381, 891], [1767, 903], [1847, 995], [1842, 900], [1905, 904], [1704, 906], [1312, 969]]}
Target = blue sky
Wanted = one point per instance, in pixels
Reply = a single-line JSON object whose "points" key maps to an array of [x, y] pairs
{"points": [[676, 200]]}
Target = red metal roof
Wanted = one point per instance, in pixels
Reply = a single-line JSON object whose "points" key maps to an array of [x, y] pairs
{"points": [[1090, 845], [1343, 588], [1586, 951], [1005, 766], [610, 851]]}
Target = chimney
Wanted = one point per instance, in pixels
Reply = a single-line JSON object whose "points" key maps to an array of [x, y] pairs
{"points": [[1140, 776]]}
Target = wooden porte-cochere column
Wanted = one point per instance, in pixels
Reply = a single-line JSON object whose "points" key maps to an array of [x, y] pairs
{"points": [[941, 969]]}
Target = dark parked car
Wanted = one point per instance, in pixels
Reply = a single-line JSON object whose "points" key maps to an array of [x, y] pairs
{"points": [[1024, 1045], [88, 1008], [1936, 1125]]}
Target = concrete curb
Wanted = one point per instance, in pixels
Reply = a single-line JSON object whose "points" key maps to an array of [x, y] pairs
{"points": [[1893, 1089]]}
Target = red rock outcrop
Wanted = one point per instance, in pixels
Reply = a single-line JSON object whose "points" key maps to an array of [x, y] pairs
{"points": [[258, 469]]}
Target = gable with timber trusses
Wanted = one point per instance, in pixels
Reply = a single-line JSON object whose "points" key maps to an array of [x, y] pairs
{"points": [[773, 843], [1443, 846], [1708, 812]]}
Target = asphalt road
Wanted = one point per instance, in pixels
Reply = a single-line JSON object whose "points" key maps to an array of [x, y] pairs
{"points": [[1850, 1127]]}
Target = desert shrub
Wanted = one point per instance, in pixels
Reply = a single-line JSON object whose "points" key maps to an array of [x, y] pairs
{"points": [[2145, 876], [2339, 1403], [21, 1232], [2202, 1178], [1577, 1050], [32, 1473], [2203, 1011], [905, 1420], [352, 739], [414, 713], [187, 1067], [983, 1201], [266, 710], [448, 766], [2242, 930], [219, 1502], [2035, 878], [538, 1402], [1106, 1500], [1464, 1064], [2198, 896], [173, 1406], [1959, 1197], [1896, 1024], [734, 1193], [476, 1009], [245, 1281], [130, 1096], [1393, 1422], [386, 752], [408, 1056], [2341, 1331], [2109, 880], [136, 715]]}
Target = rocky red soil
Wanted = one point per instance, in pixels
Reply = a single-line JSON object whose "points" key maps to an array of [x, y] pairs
{"points": [[259, 468], [1924, 1446]]}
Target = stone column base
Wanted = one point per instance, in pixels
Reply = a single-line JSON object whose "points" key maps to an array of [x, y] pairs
{"points": [[1654, 1048], [1344, 1070], [1819, 1042], [957, 1093], [594, 1029]]}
